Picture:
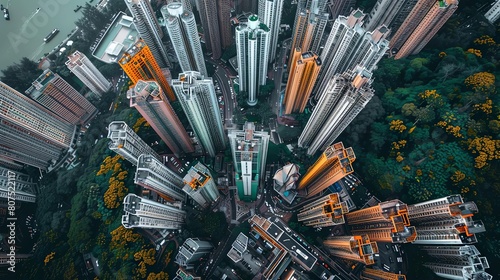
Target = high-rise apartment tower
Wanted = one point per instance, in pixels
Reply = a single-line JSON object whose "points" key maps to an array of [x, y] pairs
{"points": [[150, 100], [270, 14], [84, 70], [25, 188], [196, 93], [383, 13], [325, 212], [210, 22], [191, 251], [200, 185], [144, 213], [357, 248]]}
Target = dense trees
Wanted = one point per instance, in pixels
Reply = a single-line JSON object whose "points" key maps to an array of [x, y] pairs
{"points": [[20, 75]]}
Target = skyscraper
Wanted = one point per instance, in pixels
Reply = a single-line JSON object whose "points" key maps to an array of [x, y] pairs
{"points": [[303, 73], [333, 164], [149, 29], [199, 101], [252, 50], [150, 100], [309, 25], [340, 102], [59, 97], [349, 45], [340, 7], [226, 32], [357, 248], [386, 222], [493, 13], [83, 68], [383, 13], [446, 221], [249, 149], [191, 251], [152, 174], [270, 14], [29, 133], [181, 27], [126, 143], [144, 213], [402, 14], [325, 212], [25, 188], [375, 274], [437, 16], [210, 22], [139, 64], [457, 262], [200, 185]]}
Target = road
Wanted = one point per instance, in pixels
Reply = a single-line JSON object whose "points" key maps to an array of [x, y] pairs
{"points": [[222, 75]]}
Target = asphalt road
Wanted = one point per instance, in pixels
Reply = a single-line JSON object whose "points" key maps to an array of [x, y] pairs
{"points": [[278, 75]]}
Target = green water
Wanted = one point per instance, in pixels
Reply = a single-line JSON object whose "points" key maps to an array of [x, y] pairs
{"points": [[23, 34]]}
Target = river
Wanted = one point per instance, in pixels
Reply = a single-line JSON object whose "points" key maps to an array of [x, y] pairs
{"points": [[22, 35]]}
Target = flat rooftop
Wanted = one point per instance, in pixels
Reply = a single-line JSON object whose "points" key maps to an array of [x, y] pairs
{"points": [[120, 35]]}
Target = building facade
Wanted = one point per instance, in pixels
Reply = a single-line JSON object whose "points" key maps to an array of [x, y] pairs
{"points": [[357, 248], [325, 212], [457, 262], [196, 93], [252, 51], [445, 221], [383, 13], [84, 70], [29, 133], [183, 32], [191, 251], [309, 26], [341, 101], [375, 274], [334, 164], [125, 142], [54, 93], [200, 185], [304, 71], [386, 222], [149, 29], [340, 7], [25, 188], [493, 13], [144, 213], [139, 63], [270, 14], [152, 174], [151, 102], [249, 150], [210, 22]]}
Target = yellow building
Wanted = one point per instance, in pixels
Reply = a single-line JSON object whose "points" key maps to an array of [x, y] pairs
{"points": [[303, 74], [333, 165], [139, 64]]}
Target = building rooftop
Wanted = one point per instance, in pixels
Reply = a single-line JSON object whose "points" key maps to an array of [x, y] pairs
{"points": [[120, 36]]}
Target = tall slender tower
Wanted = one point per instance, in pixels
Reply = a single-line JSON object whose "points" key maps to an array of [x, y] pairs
{"points": [[457, 262], [249, 149], [437, 16], [149, 29], [383, 13], [401, 16], [252, 49], [356, 248], [210, 22], [200, 185], [150, 100], [198, 99], [153, 174], [303, 73], [446, 221], [344, 97], [54, 93], [325, 212], [25, 188], [181, 27], [226, 32], [144, 213], [270, 14], [191, 251], [309, 26], [340, 7], [29, 133], [333, 164], [139, 64], [386, 222], [375, 274], [348, 45], [126, 143], [83, 68]]}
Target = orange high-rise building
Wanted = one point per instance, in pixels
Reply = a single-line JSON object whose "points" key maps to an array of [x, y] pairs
{"points": [[374, 274], [333, 165], [324, 212], [139, 63], [356, 248], [303, 74], [386, 222]]}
